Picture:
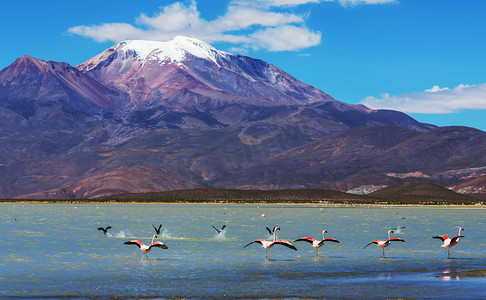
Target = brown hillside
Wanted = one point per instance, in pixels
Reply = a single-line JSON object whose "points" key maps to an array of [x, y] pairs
{"points": [[244, 196], [424, 193], [475, 188]]}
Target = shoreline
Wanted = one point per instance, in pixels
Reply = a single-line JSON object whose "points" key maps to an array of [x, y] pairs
{"points": [[259, 203], [405, 195]]}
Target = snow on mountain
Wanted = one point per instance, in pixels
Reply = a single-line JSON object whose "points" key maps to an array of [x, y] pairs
{"points": [[174, 50], [187, 72]]}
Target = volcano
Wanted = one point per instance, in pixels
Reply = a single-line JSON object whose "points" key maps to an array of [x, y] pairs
{"points": [[155, 116]]}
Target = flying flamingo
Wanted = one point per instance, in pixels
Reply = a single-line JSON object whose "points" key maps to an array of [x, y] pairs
{"points": [[146, 249], [448, 242], [105, 230], [384, 244], [219, 231], [269, 244], [157, 230], [315, 243]]}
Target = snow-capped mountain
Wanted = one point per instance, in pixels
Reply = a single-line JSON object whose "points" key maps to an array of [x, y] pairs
{"points": [[186, 72], [174, 51], [182, 114], [188, 83]]}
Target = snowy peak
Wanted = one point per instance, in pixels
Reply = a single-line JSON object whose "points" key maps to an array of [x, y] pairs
{"points": [[175, 50]]}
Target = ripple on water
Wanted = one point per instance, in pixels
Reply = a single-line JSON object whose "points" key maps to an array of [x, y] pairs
{"points": [[67, 256]]}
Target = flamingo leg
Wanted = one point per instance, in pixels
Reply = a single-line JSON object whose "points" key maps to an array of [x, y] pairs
{"points": [[317, 252], [266, 254]]}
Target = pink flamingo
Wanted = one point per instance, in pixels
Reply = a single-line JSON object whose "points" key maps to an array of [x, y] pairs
{"points": [[146, 249], [316, 243], [384, 244], [448, 242], [269, 244]]}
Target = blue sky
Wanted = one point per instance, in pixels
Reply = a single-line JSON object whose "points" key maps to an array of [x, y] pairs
{"points": [[424, 57]]}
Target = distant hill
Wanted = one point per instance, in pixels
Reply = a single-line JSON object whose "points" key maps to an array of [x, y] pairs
{"points": [[408, 193], [423, 193], [475, 187], [243, 196]]}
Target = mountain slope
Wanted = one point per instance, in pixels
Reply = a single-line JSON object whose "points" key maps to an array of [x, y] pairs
{"points": [[369, 155], [47, 108], [145, 68], [186, 83], [145, 116]]}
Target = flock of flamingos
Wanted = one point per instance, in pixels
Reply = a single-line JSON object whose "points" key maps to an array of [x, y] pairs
{"points": [[447, 242]]}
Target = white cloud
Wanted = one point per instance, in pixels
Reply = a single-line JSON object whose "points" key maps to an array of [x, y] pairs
{"points": [[175, 17], [285, 38], [246, 24], [433, 101], [287, 2], [364, 2], [107, 32]]}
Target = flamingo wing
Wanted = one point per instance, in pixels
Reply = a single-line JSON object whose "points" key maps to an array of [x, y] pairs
{"points": [[330, 240], [441, 237], [259, 241], [157, 230], [101, 228], [269, 230], [216, 229], [395, 239], [285, 243], [134, 242], [374, 242], [158, 244], [222, 228], [305, 239], [456, 238]]}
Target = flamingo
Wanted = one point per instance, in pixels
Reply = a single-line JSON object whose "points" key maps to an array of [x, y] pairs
{"points": [[219, 231], [269, 244], [105, 230], [157, 230], [315, 243], [146, 249], [448, 242], [384, 244]]}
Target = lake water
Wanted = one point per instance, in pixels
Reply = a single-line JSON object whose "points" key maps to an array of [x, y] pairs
{"points": [[56, 251]]}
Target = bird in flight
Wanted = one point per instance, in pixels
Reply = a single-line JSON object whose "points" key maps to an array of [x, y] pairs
{"points": [[105, 230], [269, 244], [448, 242], [384, 244], [219, 230], [316, 243], [157, 230], [146, 248]]}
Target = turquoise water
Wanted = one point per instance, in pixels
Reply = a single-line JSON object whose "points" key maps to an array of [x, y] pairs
{"points": [[55, 251]]}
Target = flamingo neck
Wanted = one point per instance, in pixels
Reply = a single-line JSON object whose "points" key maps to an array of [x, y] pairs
{"points": [[153, 238], [323, 233], [460, 229], [389, 232], [274, 235]]}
